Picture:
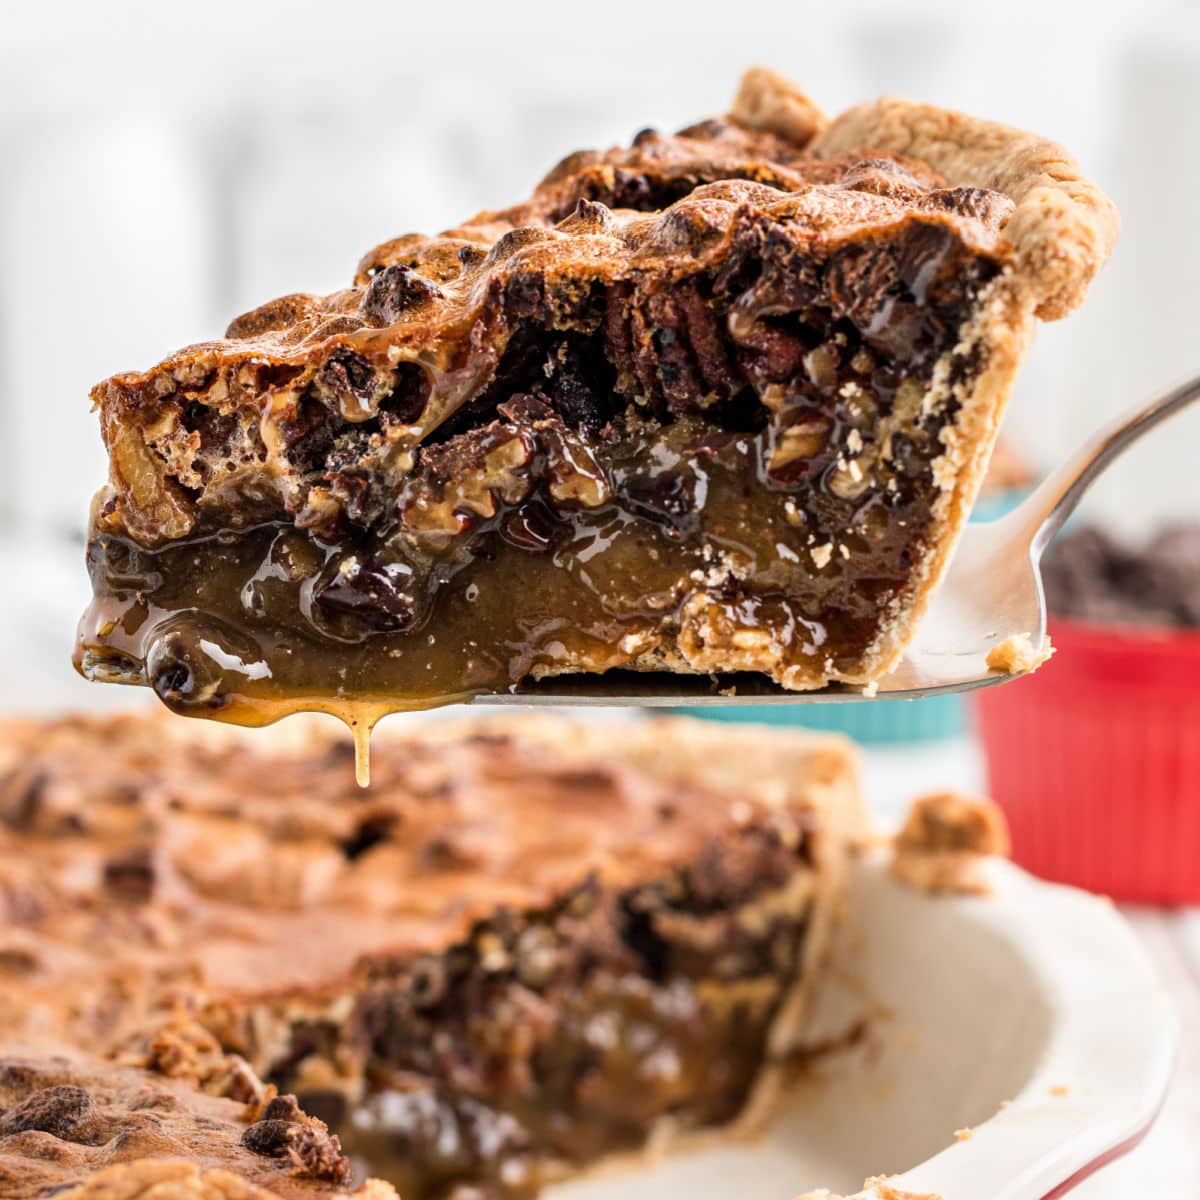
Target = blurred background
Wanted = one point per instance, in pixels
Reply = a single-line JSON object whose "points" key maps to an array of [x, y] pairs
{"points": [[168, 166]]}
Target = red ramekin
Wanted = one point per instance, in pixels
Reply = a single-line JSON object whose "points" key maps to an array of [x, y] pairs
{"points": [[1095, 759]]}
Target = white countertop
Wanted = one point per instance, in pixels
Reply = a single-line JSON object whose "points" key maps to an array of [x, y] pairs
{"points": [[1167, 1163]]}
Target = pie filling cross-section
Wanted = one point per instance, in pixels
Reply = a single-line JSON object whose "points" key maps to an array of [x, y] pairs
{"points": [[716, 402], [531, 947]]}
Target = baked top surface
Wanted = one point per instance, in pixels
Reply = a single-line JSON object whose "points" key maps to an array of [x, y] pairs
{"points": [[418, 293], [876, 164], [144, 860], [120, 1133]]}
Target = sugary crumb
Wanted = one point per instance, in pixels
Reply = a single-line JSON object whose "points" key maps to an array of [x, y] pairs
{"points": [[963, 1135], [1060, 1089], [944, 842], [1016, 655], [740, 812], [822, 554], [874, 1189]]}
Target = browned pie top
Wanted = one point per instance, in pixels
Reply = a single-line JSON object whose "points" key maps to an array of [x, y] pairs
{"points": [[665, 202], [120, 1134], [426, 320], [147, 860]]}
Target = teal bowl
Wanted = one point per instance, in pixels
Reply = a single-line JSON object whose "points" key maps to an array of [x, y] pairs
{"points": [[881, 722]]}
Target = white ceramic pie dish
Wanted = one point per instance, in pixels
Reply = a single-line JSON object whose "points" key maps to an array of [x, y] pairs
{"points": [[1030, 1018]]}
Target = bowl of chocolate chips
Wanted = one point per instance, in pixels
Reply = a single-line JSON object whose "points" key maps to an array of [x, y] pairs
{"points": [[1096, 759]]}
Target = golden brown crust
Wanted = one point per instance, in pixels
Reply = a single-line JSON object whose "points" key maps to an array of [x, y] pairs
{"points": [[1063, 227], [945, 840], [1016, 655], [766, 100]]}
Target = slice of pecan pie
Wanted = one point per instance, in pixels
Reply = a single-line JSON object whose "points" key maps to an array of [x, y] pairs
{"points": [[716, 402], [531, 946]]}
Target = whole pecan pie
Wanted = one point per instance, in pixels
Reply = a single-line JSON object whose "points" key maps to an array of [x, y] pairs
{"points": [[715, 402], [529, 948]]}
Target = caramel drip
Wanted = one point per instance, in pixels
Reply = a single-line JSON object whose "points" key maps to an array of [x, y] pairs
{"points": [[360, 716], [361, 731]]}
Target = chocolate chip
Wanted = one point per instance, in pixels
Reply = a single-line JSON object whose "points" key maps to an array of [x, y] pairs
{"points": [[906, 456], [349, 378], [371, 831], [309, 434], [190, 657], [130, 876], [270, 1138], [585, 779], [395, 291], [671, 493], [428, 981], [924, 256], [529, 527], [524, 295], [21, 793], [63, 1112], [408, 396], [446, 852], [773, 349], [471, 255], [861, 280], [18, 960], [183, 671], [283, 1108], [313, 1150], [380, 595], [580, 386]]}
